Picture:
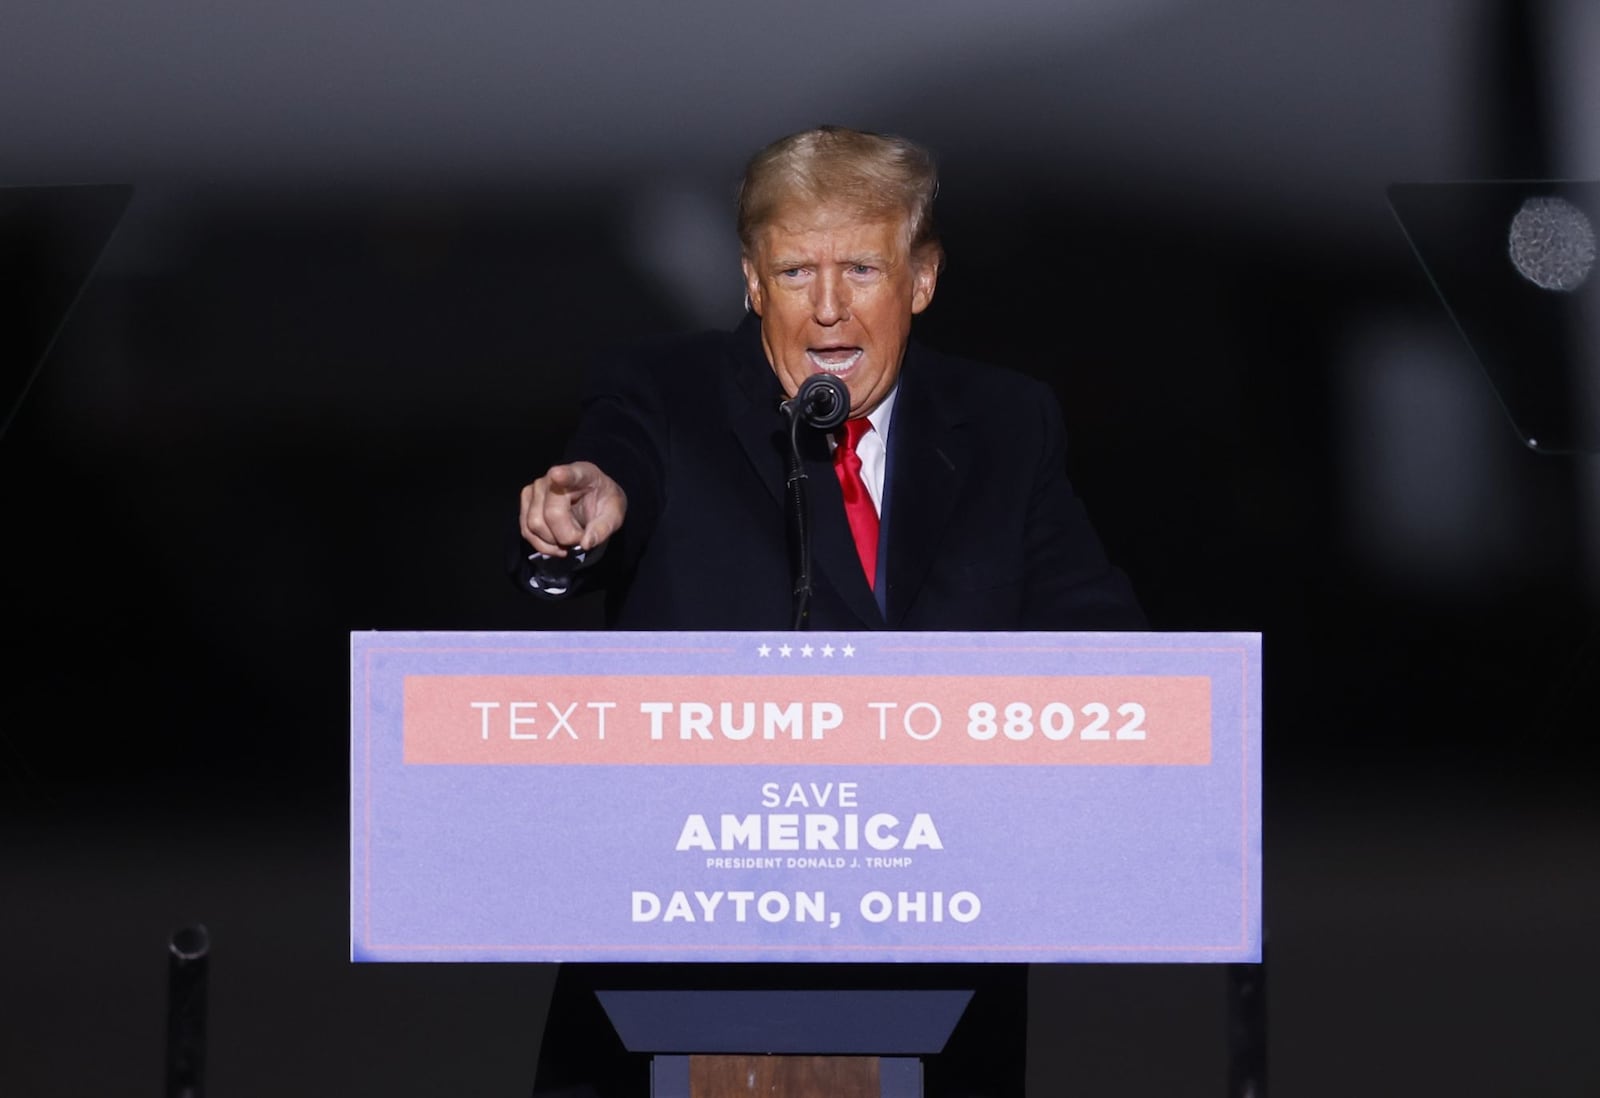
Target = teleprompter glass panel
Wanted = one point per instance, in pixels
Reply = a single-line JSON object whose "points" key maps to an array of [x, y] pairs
{"points": [[50, 240], [1513, 262]]}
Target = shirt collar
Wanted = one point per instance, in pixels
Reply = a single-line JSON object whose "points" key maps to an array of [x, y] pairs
{"points": [[881, 416]]}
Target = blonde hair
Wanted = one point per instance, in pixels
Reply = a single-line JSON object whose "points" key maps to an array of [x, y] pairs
{"points": [[876, 175]]}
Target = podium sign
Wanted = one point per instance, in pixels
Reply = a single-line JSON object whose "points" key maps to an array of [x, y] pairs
{"points": [[916, 797]]}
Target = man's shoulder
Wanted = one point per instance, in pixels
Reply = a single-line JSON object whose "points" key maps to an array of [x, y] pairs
{"points": [[973, 386], [679, 347], [665, 369]]}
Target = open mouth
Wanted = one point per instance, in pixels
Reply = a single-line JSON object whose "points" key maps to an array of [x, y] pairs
{"points": [[834, 360]]}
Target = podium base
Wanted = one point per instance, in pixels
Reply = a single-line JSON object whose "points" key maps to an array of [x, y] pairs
{"points": [[785, 1077], [621, 1031]]}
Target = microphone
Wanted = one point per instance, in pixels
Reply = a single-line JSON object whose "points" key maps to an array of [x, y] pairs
{"points": [[822, 401]]}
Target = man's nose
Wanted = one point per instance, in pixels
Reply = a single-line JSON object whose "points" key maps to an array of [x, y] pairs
{"points": [[830, 298]]}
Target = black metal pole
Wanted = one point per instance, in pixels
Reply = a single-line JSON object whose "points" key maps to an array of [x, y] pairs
{"points": [[187, 968], [1247, 1029]]}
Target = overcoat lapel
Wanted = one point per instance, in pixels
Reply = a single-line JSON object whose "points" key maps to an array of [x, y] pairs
{"points": [[752, 394], [928, 464]]}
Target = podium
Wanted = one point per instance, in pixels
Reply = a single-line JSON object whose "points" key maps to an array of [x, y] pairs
{"points": [[803, 848]]}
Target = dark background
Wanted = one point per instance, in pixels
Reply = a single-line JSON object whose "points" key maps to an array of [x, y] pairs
{"points": [[366, 252]]}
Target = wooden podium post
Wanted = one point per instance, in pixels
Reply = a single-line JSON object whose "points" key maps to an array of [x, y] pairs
{"points": [[785, 1076]]}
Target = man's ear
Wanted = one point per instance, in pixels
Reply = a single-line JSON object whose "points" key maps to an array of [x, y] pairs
{"points": [[924, 279], [752, 286]]}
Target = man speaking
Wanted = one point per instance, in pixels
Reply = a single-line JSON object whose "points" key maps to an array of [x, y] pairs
{"points": [[941, 503]]}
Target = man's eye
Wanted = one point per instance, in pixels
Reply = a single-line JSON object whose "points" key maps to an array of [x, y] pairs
{"points": [[792, 272], [862, 269]]}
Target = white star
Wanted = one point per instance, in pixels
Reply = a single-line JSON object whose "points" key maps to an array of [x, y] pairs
{"points": [[806, 651], [848, 650], [764, 651], [784, 651], [827, 651]]}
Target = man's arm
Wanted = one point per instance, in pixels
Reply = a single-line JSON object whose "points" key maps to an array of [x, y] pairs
{"points": [[609, 476]]}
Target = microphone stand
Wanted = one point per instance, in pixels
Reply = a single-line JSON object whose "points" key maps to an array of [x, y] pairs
{"points": [[822, 402], [799, 528]]}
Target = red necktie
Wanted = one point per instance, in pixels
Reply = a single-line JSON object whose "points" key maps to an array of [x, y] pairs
{"points": [[859, 509]]}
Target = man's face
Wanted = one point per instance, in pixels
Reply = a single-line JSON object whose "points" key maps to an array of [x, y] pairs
{"points": [[836, 294]]}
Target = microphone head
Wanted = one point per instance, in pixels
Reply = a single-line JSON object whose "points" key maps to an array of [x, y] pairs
{"points": [[824, 401]]}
